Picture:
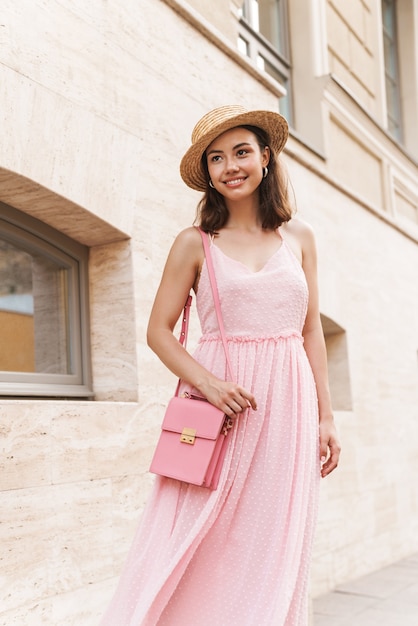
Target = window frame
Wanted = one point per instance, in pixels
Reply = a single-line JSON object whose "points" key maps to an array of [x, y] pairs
{"points": [[33, 235], [258, 46]]}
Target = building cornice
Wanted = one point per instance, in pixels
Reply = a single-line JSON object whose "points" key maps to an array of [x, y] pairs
{"points": [[212, 34]]}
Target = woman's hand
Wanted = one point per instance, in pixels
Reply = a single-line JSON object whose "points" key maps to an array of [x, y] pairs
{"points": [[232, 399], [330, 447]]}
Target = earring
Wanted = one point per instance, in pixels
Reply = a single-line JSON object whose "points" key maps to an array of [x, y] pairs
{"points": [[211, 184], [265, 172]]}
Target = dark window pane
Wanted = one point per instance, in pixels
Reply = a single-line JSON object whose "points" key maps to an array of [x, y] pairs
{"points": [[271, 23], [392, 81]]}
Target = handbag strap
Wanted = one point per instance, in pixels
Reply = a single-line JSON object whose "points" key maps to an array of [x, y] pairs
{"points": [[215, 293], [185, 322], [186, 312]]}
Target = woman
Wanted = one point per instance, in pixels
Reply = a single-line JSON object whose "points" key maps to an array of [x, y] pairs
{"points": [[240, 555]]}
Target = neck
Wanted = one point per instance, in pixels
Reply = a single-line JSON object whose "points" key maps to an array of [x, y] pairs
{"points": [[243, 213]]}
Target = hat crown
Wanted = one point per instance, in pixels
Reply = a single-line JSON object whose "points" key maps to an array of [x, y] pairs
{"points": [[215, 118]]}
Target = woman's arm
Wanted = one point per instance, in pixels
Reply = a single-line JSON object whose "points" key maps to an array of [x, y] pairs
{"points": [[314, 343], [180, 275]]}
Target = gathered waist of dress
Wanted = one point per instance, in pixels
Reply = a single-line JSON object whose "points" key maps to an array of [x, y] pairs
{"points": [[287, 333]]}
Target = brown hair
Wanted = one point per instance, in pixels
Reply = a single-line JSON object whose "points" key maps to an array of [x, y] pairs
{"points": [[274, 204]]}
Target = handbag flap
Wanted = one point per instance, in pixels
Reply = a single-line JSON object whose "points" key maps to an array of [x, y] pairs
{"points": [[199, 415]]}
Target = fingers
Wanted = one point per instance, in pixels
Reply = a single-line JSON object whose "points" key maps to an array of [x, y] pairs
{"points": [[329, 446], [233, 408], [238, 400], [251, 401], [231, 398], [328, 465]]}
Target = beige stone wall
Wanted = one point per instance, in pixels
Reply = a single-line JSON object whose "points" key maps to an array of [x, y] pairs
{"points": [[73, 476], [219, 14], [352, 45], [369, 507], [98, 112]]}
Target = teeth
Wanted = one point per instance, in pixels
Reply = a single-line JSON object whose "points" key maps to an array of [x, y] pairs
{"points": [[234, 182]]}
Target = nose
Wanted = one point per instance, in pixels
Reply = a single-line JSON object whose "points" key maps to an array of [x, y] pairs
{"points": [[231, 165]]}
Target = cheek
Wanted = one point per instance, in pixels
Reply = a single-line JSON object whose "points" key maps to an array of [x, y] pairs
{"points": [[259, 166], [213, 169]]}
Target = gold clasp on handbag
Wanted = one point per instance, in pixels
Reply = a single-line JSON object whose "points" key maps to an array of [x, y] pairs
{"points": [[188, 435]]}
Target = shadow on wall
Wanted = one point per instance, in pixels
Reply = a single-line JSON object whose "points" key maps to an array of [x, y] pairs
{"points": [[338, 364]]}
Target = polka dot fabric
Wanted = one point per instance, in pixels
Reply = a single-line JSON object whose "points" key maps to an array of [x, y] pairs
{"points": [[240, 555]]}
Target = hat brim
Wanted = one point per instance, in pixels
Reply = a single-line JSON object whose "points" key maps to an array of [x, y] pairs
{"points": [[274, 124]]}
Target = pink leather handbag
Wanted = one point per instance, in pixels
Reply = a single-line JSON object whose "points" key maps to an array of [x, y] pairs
{"points": [[194, 433]]}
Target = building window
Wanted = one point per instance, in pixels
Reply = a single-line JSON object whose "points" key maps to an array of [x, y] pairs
{"points": [[263, 36], [43, 310], [392, 80]]}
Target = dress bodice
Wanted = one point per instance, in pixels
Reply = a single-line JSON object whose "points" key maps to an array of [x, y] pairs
{"points": [[268, 303]]}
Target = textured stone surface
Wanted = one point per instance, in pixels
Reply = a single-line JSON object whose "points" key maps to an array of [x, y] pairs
{"points": [[71, 488]]}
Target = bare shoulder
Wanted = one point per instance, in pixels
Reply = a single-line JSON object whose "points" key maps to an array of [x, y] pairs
{"points": [[299, 236], [299, 229], [188, 240], [188, 237], [187, 248]]}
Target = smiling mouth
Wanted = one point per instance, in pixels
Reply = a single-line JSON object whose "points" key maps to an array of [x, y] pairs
{"points": [[235, 181]]}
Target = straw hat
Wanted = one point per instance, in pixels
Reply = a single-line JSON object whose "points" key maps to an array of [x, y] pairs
{"points": [[217, 122]]}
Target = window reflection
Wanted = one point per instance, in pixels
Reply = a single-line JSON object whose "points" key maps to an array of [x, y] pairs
{"points": [[34, 324], [392, 79], [267, 18]]}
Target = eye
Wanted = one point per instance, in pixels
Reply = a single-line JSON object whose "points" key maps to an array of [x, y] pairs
{"points": [[242, 152], [215, 158]]}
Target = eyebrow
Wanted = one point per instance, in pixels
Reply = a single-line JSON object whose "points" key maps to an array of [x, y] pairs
{"points": [[239, 145]]}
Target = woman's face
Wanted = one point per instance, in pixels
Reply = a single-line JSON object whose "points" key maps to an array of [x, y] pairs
{"points": [[235, 163]]}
